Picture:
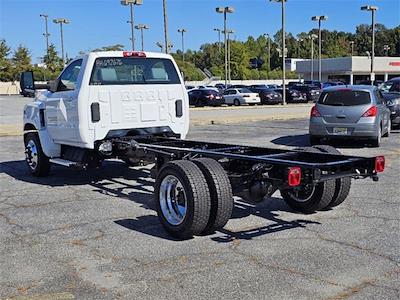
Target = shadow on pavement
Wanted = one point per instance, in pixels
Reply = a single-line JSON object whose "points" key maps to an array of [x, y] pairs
{"points": [[115, 179]]}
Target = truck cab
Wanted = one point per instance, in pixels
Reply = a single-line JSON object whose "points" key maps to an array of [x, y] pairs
{"points": [[108, 94]]}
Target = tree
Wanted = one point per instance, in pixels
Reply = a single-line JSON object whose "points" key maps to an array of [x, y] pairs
{"points": [[116, 47], [5, 64], [52, 61], [21, 61]]}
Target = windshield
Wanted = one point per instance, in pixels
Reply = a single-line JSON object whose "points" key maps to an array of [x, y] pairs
{"points": [[129, 70], [244, 90], [390, 86], [344, 98]]}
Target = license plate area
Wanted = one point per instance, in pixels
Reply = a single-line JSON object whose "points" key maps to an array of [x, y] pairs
{"points": [[340, 130]]}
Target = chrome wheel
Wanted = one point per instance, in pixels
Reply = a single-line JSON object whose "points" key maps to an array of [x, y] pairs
{"points": [[302, 194], [31, 154], [173, 200]]}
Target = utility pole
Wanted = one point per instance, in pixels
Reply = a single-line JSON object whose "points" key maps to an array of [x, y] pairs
{"points": [[352, 48], [225, 10], [61, 21], [46, 34], [182, 31], [229, 32], [319, 19], [312, 38], [269, 49], [372, 9]]}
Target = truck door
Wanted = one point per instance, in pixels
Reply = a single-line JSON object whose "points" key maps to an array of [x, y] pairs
{"points": [[62, 105]]}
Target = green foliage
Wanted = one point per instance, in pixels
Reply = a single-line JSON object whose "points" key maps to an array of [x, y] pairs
{"points": [[5, 64], [116, 47], [21, 61], [189, 71], [52, 61]]}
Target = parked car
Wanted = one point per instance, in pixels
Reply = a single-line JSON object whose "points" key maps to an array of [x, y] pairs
{"points": [[331, 83], [267, 96], [237, 86], [272, 86], [391, 92], [205, 97], [314, 83], [293, 96], [190, 87], [221, 87], [241, 96], [312, 92], [353, 112], [293, 83]]}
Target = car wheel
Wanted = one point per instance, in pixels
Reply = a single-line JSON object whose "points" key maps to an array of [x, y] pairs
{"points": [[236, 102], [37, 161], [388, 129], [376, 142]]}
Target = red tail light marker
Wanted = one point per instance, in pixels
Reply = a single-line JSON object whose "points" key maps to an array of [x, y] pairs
{"points": [[315, 112], [133, 54], [294, 176], [371, 112], [379, 164]]}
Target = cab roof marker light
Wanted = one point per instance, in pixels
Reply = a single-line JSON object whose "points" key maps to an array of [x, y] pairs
{"points": [[133, 54]]}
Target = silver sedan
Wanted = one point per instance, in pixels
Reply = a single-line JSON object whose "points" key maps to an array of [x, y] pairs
{"points": [[350, 112]]}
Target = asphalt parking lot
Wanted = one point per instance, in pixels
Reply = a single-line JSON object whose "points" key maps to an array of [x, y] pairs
{"points": [[95, 234]]}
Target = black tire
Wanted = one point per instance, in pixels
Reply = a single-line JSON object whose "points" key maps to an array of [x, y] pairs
{"points": [[37, 161], [196, 195], [236, 102], [376, 142], [319, 198], [387, 134], [314, 140], [342, 185], [220, 193]]}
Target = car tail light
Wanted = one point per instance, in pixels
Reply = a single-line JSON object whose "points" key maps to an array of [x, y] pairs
{"points": [[294, 176], [371, 112], [315, 112], [133, 54], [379, 164], [210, 96], [246, 96]]}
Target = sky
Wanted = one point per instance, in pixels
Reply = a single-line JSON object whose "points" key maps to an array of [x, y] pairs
{"points": [[97, 23]]}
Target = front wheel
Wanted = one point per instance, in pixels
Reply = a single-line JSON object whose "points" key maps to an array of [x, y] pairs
{"points": [[37, 161], [376, 142]]}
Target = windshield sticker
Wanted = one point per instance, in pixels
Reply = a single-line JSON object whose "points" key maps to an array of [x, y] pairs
{"points": [[109, 62]]}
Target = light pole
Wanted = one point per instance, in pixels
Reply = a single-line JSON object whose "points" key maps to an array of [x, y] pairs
{"points": [[182, 31], [298, 46], [312, 38], [161, 46], [319, 19], [386, 48], [225, 11], [283, 50], [372, 9], [352, 48], [269, 50], [131, 3], [46, 34], [166, 42], [61, 21], [219, 38], [229, 32], [141, 27]]}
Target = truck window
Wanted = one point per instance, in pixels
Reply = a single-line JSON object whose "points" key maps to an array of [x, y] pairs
{"points": [[133, 70], [69, 77]]}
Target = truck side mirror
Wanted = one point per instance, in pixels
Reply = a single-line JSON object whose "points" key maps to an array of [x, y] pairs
{"points": [[27, 84], [53, 86]]}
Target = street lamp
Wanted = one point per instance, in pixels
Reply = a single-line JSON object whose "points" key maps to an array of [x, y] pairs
{"points": [[312, 38], [131, 3], [225, 11], [141, 27], [386, 48], [166, 42], [229, 32], [182, 31], [372, 9], [161, 46], [61, 21], [219, 38], [47, 34], [269, 50], [298, 46], [352, 48], [283, 50], [319, 19]]}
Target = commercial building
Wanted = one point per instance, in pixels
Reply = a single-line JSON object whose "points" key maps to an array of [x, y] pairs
{"points": [[351, 70]]}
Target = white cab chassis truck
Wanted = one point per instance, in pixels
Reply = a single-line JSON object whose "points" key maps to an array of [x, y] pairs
{"points": [[134, 106]]}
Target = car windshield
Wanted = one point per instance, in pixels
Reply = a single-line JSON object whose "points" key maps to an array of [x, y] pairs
{"points": [[390, 86], [244, 90], [133, 70], [344, 98]]}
